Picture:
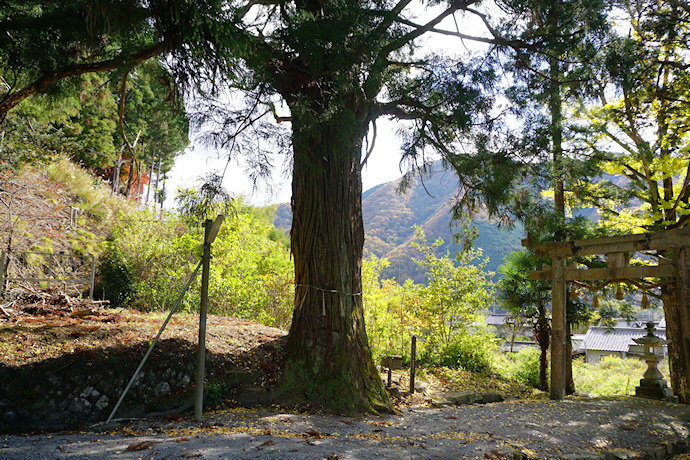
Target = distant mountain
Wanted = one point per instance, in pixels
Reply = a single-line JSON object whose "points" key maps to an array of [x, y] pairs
{"points": [[390, 218]]}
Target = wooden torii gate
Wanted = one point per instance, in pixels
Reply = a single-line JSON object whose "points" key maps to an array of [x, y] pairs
{"points": [[617, 250]]}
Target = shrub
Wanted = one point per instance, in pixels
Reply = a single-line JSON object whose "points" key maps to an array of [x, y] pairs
{"points": [[524, 367], [116, 279], [611, 375], [387, 311], [250, 277], [448, 304], [470, 352]]}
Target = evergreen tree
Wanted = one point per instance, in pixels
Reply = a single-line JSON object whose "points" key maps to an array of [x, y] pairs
{"points": [[332, 69], [43, 43], [560, 39], [527, 301]]}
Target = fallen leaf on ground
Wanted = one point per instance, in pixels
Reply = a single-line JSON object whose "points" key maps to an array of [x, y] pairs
{"points": [[141, 445], [265, 443]]}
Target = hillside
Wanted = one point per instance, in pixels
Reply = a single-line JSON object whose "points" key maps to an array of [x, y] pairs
{"points": [[390, 218], [57, 209]]}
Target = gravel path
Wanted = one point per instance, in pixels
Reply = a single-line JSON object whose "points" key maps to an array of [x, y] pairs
{"points": [[580, 428]]}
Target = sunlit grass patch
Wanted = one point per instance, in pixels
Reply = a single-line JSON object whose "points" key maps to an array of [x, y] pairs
{"points": [[611, 376]]}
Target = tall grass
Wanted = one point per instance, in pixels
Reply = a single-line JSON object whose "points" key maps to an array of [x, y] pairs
{"points": [[93, 196], [611, 376]]}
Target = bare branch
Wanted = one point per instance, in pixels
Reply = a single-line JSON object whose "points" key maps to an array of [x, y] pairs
{"points": [[496, 39], [422, 29], [245, 9]]}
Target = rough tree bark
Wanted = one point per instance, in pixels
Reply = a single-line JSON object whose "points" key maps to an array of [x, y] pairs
{"points": [[676, 300], [329, 358]]}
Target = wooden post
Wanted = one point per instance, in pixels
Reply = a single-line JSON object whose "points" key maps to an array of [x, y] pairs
{"points": [[153, 344], [210, 231], [558, 304], [413, 362], [50, 269], [93, 276], [678, 322], [201, 352], [2, 273]]}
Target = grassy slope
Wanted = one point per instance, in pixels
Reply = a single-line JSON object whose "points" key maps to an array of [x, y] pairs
{"points": [[40, 205]]}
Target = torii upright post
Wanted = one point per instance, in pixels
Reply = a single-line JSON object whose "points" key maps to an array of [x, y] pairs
{"points": [[558, 318]]}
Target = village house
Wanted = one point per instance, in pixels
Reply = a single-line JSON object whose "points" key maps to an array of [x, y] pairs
{"points": [[504, 325], [600, 341]]}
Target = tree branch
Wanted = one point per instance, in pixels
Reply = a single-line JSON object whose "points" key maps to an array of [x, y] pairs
{"points": [[422, 29], [241, 12], [391, 17], [11, 100], [680, 4], [373, 142], [396, 109]]}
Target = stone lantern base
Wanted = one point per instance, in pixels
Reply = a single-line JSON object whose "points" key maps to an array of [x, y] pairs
{"points": [[655, 389]]}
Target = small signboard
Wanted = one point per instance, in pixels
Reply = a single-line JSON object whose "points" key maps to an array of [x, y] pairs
{"points": [[392, 362]]}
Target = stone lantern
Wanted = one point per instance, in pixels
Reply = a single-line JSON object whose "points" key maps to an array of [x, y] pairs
{"points": [[653, 385]]}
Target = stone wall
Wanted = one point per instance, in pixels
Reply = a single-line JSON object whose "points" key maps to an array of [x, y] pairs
{"points": [[83, 388]]}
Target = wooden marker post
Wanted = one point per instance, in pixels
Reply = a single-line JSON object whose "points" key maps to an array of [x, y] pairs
{"points": [[210, 232], [413, 362]]}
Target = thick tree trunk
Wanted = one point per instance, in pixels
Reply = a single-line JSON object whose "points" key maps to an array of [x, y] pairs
{"points": [[556, 128], [329, 359], [676, 301]]}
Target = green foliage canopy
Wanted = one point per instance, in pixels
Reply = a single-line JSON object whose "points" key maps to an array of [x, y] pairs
{"points": [[637, 124]]}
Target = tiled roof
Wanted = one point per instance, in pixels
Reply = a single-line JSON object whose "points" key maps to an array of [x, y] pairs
{"points": [[495, 319], [614, 339]]}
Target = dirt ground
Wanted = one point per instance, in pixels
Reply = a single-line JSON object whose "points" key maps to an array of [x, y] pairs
{"points": [[38, 325], [577, 428]]}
